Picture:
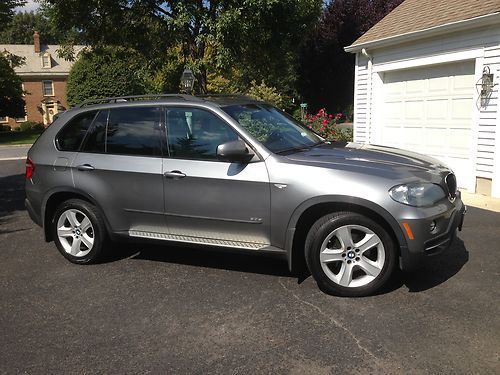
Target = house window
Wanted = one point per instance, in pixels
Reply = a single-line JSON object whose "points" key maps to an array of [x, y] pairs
{"points": [[4, 120], [48, 88], [46, 61]]}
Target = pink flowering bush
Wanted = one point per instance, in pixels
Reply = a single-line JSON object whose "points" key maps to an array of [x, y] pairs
{"points": [[326, 125]]}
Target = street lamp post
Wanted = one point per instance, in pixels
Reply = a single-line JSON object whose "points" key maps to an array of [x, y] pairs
{"points": [[187, 81]]}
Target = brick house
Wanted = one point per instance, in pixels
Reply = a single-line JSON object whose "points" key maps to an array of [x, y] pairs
{"points": [[44, 77]]}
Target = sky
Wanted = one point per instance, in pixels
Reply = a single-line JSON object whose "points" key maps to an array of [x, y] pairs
{"points": [[28, 7]]}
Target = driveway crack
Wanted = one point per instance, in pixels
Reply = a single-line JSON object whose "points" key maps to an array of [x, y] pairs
{"points": [[334, 321]]}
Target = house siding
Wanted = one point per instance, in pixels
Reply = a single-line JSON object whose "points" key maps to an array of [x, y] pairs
{"points": [[487, 124], [361, 97]]}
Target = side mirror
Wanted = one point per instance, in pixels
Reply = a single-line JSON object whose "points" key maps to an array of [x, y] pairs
{"points": [[234, 151]]}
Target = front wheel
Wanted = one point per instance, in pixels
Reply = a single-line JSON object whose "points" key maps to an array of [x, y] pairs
{"points": [[349, 254]]}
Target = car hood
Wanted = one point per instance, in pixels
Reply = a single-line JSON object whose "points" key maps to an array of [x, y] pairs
{"points": [[341, 155]]}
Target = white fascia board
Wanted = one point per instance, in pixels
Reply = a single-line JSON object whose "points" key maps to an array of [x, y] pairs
{"points": [[430, 60], [488, 19], [43, 74]]}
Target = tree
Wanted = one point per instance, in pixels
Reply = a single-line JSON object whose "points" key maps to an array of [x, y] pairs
{"points": [[326, 71], [7, 9], [258, 37], [21, 27], [11, 93], [107, 72]]}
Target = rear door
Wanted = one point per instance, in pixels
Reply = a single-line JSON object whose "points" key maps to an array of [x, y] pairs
{"points": [[208, 200], [120, 166]]}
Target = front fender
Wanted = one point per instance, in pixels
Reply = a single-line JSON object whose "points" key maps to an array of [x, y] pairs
{"points": [[344, 201]]}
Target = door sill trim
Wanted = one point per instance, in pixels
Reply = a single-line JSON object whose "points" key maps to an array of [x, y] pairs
{"points": [[204, 241]]}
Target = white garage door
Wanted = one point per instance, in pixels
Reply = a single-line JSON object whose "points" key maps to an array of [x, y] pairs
{"points": [[429, 110]]}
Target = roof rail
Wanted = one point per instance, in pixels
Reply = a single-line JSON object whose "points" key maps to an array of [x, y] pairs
{"points": [[236, 96], [117, 99]]}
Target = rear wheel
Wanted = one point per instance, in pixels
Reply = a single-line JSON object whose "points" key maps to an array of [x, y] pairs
{"points": [[79, 231], [349, 254]]}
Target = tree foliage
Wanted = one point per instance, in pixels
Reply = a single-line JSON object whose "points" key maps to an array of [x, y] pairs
{"points": [[107, 72], [21, 27], [7, 9], [11, 93], [326, 71], [258, 37]]}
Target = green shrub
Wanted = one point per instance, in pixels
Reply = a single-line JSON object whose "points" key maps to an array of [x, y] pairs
{"points": [[5, 128], [30, 125], [266, 93], [107, 72], [38, 126]]}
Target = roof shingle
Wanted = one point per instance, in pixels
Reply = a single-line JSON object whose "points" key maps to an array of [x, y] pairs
{"points": [[417, 15]]}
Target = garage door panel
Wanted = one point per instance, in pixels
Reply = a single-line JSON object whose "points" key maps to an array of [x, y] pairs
{"points": [[437, 109], [414, 109], [463, 83], [438, 85], [429, 110], [460, 140], [461, 109], [415, 87]]}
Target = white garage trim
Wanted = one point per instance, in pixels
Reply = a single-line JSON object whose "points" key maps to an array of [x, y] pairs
{"points": [[430, 60]]}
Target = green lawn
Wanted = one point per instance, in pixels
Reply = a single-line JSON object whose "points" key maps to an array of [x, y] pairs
{"points": [[19, 138]]}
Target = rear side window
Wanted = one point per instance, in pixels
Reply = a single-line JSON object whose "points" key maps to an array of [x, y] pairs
{"points": [[126, 131], [134, 131], [71, 136], [96, 138]]}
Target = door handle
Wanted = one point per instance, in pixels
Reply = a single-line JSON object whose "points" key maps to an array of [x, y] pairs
{"points": [[85, 167], [174, 174]]}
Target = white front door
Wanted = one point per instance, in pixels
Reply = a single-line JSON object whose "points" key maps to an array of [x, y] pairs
{"points": [[429, 110]]}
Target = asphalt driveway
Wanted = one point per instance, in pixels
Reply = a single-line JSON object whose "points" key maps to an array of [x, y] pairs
{"points": [[152, 309]]}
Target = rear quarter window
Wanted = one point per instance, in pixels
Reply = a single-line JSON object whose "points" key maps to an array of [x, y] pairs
{"points": [[72, 134]]}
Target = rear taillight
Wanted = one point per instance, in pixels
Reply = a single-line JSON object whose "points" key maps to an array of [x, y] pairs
{"points": [[30, 168]]}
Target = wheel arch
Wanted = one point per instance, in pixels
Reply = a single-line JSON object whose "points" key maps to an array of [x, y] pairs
{"points": [[55, 197], [311, 210]]}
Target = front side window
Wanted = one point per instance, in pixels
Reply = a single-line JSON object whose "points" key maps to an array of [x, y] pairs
{"points": [[48, 88], [275, 130], [126, 131], [194, 133], [71, 136]]}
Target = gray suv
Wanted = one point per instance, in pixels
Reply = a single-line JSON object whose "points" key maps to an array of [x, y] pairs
{"points": [[233, 172]]}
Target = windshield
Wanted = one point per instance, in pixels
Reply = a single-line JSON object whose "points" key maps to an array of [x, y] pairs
{"points": [[274, 129]]}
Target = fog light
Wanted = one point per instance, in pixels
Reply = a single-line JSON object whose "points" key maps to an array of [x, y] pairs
{"points": [[432, 226]]}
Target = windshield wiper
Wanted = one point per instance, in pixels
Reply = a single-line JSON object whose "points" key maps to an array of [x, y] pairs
{"points": [[301, 148]]}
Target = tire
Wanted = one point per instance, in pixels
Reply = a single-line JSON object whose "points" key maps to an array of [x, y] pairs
{"points": [[79, 231], [349, 254]]}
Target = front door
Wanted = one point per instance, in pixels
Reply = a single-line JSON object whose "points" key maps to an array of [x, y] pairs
{"points": [[207, 200]]}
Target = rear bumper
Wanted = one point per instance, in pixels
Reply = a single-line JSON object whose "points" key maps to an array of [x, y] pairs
{"points": [[33, 214], [426, 243]]}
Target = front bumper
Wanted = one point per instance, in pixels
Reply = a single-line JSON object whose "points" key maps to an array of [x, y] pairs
{"points": [[427, 242]]}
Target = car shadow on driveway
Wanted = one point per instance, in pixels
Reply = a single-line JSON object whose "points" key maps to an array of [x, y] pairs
{"points": [[435, 271], [11, 194], [208, 257]]}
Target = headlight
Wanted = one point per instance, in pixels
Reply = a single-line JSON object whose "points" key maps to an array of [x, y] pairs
{"points": [[417, 194]]}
